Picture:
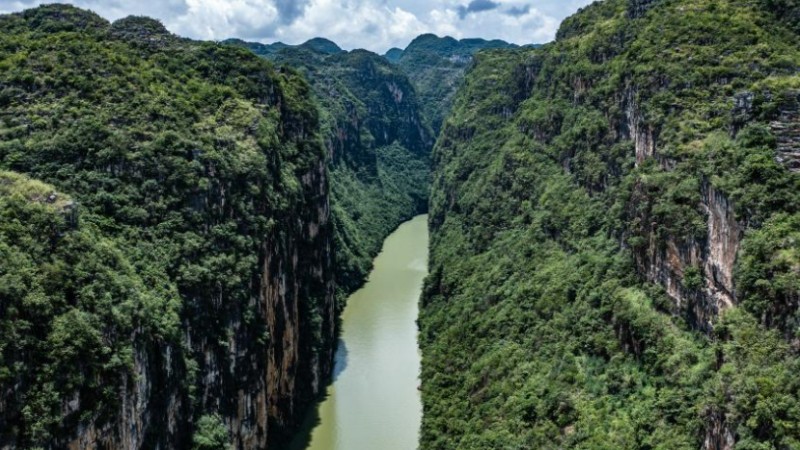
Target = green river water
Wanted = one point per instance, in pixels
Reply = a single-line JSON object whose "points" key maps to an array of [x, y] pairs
{"points": [[373, 403]]}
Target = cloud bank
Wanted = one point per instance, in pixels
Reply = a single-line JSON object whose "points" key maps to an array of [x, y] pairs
{"points": [[375, 25]]}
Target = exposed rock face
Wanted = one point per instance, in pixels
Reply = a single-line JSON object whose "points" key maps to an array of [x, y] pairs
{"points": [[295, 289], [786, 127], [637, 8], [718, 434], [724, 238], [641, 133], [667, 263], [150, 414], [210, 260]]}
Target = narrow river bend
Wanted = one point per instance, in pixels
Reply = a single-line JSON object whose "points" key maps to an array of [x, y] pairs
{"points": [[373, 403]]}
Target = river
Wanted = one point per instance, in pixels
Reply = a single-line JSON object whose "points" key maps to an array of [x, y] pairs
{"points": [[374, 403]]}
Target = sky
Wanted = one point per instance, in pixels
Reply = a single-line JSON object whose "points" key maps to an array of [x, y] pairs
{"points": [[376, 25]]}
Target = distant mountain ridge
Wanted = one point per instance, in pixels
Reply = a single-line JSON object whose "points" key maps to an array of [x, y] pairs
{"points": [[381, 115], [318, 44], [428, 43], [448, 46], [437, 66]]}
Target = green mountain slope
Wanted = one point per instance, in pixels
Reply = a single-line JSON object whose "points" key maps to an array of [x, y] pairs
{"points": [[186, 270], [614, 237], [436, 67], [319, 45], [378, 144]]}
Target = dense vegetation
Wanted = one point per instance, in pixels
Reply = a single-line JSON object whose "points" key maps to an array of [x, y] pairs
{"points": [[317, 45], [378, 142], [436, 67], [137, 302], [541, 325]]}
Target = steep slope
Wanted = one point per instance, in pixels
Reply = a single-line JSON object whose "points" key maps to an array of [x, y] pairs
{"points": [[378, 144], [614, 237], [436, 67], [185, 275]]}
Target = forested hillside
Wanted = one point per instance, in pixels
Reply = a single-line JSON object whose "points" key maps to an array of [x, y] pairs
{"points": [[436, 67], [615, 237], [165, 239], [378, 142]]}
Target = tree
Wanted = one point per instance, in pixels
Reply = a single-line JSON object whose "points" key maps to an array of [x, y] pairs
{"points": [[211, 434]]}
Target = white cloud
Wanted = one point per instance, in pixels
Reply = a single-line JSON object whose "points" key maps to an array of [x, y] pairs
{"points": [[354, 24], [372, 24], [220, 19]]}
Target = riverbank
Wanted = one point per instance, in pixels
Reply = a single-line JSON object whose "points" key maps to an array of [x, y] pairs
{"points": [[373, 401]]}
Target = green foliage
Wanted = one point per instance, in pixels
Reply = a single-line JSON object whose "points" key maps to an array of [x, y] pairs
{"points": [[71, 300], [366, 212], [379, 146], [693, 278], [211, 434], [536, 330], [437, 66], [185, 163], [767, 271]]}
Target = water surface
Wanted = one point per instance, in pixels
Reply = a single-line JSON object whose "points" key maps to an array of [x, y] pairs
{"points": [[373, 403]]}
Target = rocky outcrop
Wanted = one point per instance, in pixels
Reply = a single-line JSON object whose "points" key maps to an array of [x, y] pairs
{"points": [[718, 436], [638, 8], [786, 128], [642, 133], [142, 31], [670, 262], [784, 121]]}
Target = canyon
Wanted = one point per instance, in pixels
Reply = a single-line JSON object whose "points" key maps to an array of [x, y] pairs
{"points": [[613, 216]]}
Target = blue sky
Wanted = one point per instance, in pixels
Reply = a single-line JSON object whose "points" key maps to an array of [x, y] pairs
{"points": [[372, 24]]}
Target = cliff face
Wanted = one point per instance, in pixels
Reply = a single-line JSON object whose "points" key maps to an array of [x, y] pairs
{"points": [[666, 260], [613, 225], [197, 280], [301, 313], [786, 128], [712, 257], [378, 145]]}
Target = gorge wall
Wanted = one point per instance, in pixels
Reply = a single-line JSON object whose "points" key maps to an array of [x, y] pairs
{"points": [[378, 142], [613, 220], [184, 283]]}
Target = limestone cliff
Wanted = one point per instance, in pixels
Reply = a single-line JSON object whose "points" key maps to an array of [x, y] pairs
{"points": [[196, 277], [614, 220], [378, 142]]}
